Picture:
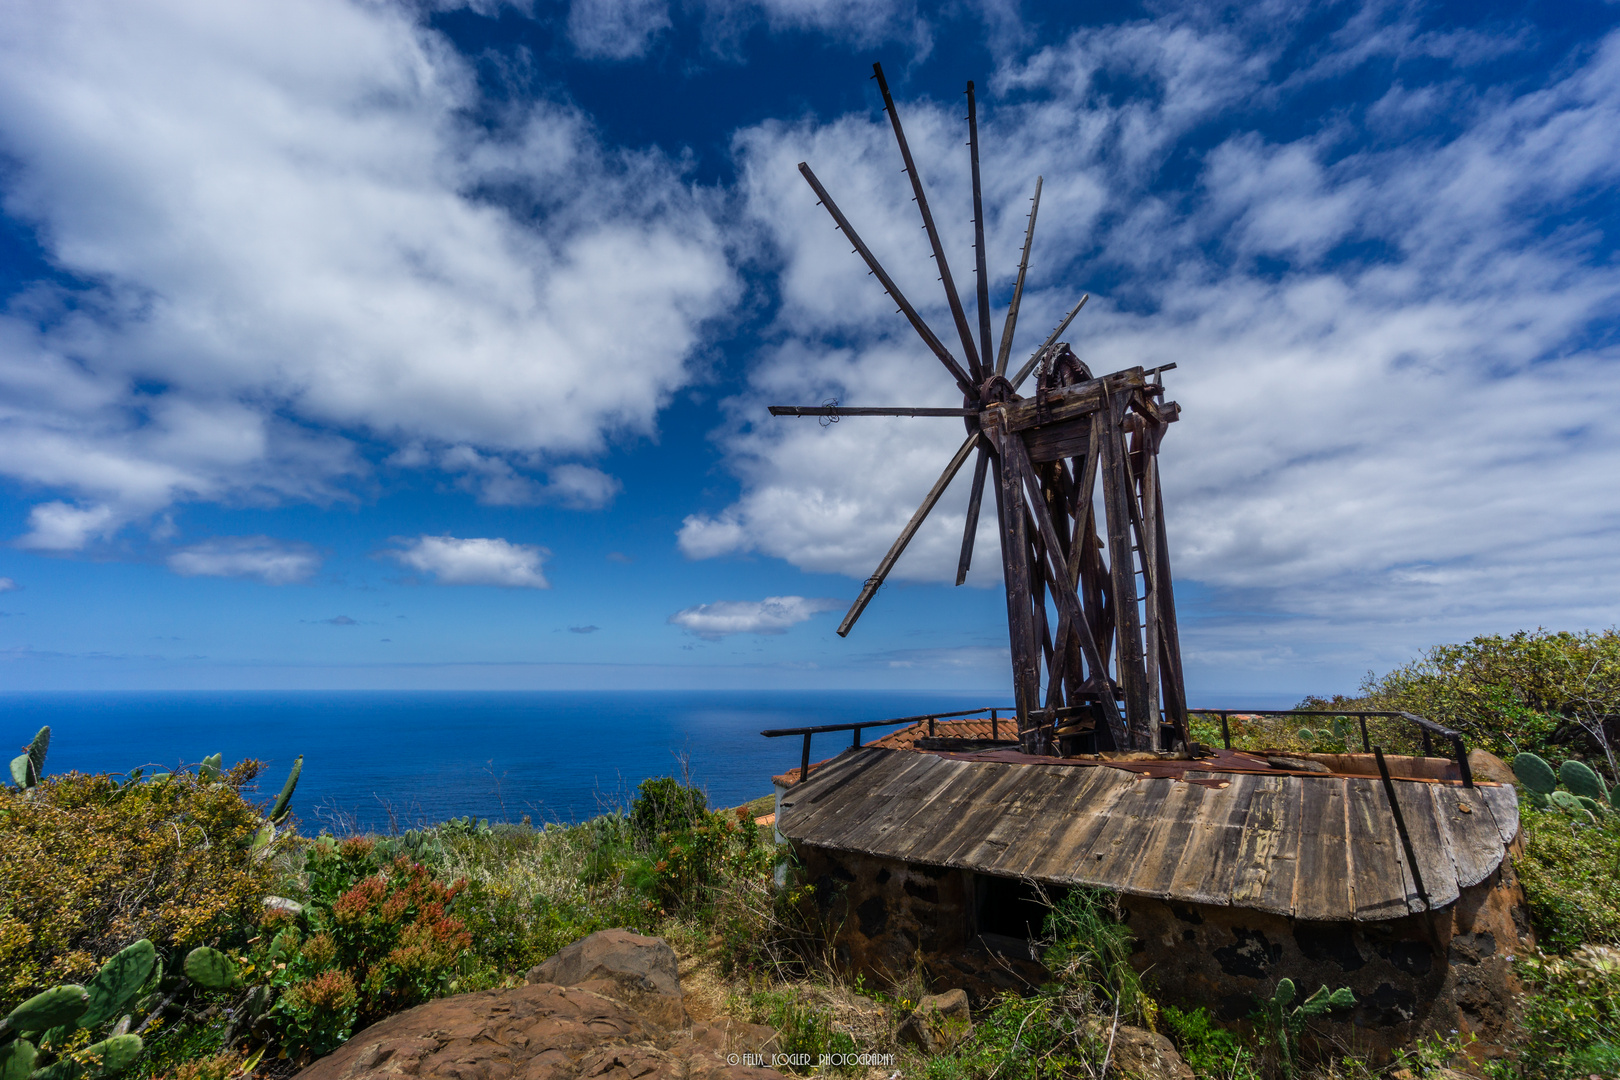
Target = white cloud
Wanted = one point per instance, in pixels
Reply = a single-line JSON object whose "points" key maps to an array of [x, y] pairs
{"points": [[273, 562], [772, 615], [476, 561], [8, 585], [616, 29], [57, 526], [1377, 347], [291, 227]]}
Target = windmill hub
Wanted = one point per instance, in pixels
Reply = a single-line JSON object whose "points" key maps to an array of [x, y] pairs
{"points": [[1091, 615]]}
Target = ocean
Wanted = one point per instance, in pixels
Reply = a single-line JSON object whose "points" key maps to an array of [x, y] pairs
{"points": [[385, 760]]}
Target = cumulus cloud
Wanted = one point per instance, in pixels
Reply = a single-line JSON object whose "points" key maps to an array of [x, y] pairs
{"points": [[8, 585], [1376, 342], [280, 224], [772, 615], [476, 561], [583, 629], [273, 562]]}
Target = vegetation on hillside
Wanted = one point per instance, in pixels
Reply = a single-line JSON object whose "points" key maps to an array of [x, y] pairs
{"points": [[214, 941]]}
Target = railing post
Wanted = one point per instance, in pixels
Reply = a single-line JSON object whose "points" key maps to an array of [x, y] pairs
{"points": [[1366, 743], [1226, 734], [994, 734], [1428, 742], [1462, 761], [804, 762], [930, 727], [856, 745]]}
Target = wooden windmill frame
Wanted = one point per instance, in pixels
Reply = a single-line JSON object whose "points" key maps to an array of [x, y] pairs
{"points": [[1096, 664]]}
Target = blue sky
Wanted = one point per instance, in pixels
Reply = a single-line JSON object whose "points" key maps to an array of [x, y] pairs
{"points": [[361, 344]]}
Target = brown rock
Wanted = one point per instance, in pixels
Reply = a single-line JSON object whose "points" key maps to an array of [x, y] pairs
{"points": [[1145, 1055], [939, 1022], [640, 971], [1487, 766], [728, 1035], [536, 1032]]}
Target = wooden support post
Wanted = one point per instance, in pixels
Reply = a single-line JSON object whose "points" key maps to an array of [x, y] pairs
{"points": [[804, 761], [856, 744], [1127, 620], [1226, 734], [1366, 743], [1015, 568]]}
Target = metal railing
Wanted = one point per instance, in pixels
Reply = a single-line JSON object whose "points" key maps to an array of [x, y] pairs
{"points": [[1427, 728], [822, 729]]}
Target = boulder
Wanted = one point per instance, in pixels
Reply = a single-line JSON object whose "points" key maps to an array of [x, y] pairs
{"points": [[642, 972], [1145, 1055], [537, 1032], [939, 1022], [1487, 766]]}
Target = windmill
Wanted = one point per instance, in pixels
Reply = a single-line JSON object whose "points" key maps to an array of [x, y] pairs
{"points": [[1090, 608]]}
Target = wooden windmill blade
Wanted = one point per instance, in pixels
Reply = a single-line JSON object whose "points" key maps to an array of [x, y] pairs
{"points": [[921, 196]]}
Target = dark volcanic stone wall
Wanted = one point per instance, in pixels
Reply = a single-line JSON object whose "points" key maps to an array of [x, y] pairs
{"points": [[884, 918]]}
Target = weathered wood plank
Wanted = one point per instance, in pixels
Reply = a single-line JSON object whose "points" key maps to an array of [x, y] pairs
{"points": [[1064, 439], [1470, 836], [1429, 843], [1067, 402], [1322, 887], [1381, 886], [1504, 804], [1058, 850], [1274, 888], [1167, 837], [1210, 865], [1117, 849]]}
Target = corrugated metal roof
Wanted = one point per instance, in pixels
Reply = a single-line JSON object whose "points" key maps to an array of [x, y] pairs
{"points": [[1313, 847]]}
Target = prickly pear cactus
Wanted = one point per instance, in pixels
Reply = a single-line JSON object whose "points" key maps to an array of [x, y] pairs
{"points": [[54, 1008], [282, 807], [1534, 773], [209, 770], [210, 968], [1614, 797], [17, 1060], [117, 983], [1566, 802], [1597, 808], [1579, 778], [30, 766]]}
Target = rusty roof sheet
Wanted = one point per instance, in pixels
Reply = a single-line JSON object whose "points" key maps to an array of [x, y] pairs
{"points": [[1311, 847]]}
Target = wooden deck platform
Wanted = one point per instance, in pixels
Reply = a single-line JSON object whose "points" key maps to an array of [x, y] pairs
{"points": [[1310, 847]]}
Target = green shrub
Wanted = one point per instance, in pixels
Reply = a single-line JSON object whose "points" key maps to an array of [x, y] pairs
{"points": [[1088, 950], [664, 804], [1571, 1021], [1211, 1051], [803, 1027], [74, 845], [1570, 871], [1041, 1037]]}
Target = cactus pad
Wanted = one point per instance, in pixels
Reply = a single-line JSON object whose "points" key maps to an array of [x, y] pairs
{"points": [[1566, 802], [119, 980], [210, 768], [210, 968], [1535, 774], [1284, 993], [1536, 799], [278, 812], [1614, 797], [114, 1055], [1579, 778], [1597, 808], [53, 1008], [17, 1060]]}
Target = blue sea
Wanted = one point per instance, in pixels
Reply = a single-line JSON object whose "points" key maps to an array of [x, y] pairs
{"points": [[384, 760]]}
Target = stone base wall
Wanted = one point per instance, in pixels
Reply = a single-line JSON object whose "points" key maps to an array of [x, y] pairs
{"points": [[1412, 976]]}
